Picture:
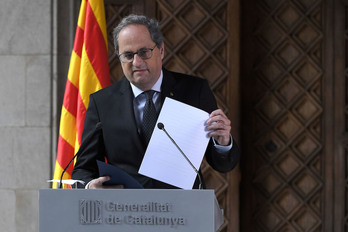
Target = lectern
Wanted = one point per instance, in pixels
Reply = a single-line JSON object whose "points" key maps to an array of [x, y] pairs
{"points": [[128, 210]]}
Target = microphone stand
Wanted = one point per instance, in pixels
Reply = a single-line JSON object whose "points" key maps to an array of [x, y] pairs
{"points": [[161, 127]]}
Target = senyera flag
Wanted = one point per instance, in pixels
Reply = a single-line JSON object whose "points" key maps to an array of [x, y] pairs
{"points": [[88, 72]]}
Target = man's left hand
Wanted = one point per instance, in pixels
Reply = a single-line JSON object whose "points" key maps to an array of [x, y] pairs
{"points": [[220, 127]]}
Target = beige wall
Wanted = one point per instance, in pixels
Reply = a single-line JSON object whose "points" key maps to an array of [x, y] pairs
{"points": [[33, 70]]}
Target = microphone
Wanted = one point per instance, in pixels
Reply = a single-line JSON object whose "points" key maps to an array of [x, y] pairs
{"points": [[161, 127], [97, 128]]}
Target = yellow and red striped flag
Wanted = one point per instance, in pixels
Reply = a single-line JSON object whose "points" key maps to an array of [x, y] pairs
{"points": [[88, 72]]}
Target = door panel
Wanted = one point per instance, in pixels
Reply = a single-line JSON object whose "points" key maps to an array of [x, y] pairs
{"points": [[199, 36], [294, 111], [282, 116]]}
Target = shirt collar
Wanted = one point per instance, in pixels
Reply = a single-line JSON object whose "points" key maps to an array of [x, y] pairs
{"points": [[156, 86]]}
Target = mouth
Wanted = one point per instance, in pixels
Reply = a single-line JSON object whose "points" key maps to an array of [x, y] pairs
{"points": [[135, 71], [139, 70]]}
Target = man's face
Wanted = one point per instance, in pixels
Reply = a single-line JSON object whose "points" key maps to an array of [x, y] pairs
{"points": [[141, 73]]}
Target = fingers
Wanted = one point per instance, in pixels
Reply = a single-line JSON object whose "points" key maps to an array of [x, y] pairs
{"points": [[220, 127], [98, 183], [218, 120]]}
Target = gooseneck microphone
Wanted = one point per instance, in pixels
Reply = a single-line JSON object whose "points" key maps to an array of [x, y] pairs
{"points": [[161, 127], [83, 146]]}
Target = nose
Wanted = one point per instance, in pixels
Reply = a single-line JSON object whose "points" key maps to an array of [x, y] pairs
{"points": [[137, 60]]}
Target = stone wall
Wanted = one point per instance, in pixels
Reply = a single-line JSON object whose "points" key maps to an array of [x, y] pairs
{"points": [[35, 46]]}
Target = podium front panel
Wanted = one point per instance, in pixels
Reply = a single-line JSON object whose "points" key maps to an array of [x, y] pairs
{"points": [[126, 210]]}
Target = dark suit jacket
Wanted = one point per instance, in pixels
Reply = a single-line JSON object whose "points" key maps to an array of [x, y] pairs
{"points": [[120, 141]]}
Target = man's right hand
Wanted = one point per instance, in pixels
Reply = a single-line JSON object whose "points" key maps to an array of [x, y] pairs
{"points": [[98, 184]]}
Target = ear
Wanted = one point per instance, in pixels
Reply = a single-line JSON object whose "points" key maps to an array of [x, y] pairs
{"points": [[162, 50]]}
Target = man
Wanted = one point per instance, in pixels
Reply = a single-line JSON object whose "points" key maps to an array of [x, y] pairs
{"points": [[139, 44]]}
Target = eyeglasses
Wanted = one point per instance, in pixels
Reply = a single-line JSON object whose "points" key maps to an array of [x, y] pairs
{"points": [[143, 53]]}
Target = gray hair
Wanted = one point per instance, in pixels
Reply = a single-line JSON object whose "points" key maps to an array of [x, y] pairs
{"points": [[151, 24]]}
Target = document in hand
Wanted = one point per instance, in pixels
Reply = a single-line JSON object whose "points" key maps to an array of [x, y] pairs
{"points": [[163, 161], [117, 176]]}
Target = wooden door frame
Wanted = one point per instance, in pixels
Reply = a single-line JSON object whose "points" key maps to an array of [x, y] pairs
{"points": [[337, 120], [328, 117], [234, 177]]}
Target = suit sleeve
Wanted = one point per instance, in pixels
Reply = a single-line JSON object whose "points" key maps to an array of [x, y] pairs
{"points": [[86, 167], [221, 162]]}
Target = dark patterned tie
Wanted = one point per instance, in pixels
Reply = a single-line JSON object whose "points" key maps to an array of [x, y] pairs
{"points": [[149, 116]]}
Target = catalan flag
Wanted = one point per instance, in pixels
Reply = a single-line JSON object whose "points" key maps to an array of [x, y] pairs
{"points": [[88, 72]]}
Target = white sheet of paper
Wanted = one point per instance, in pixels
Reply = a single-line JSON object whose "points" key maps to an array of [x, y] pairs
{"points": [[162, 160]]}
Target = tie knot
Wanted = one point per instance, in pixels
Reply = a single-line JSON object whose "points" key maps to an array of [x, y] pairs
{"points": [[149, 94]]}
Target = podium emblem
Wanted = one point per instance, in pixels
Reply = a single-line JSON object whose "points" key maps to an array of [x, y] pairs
{"points": [[90, 212]]}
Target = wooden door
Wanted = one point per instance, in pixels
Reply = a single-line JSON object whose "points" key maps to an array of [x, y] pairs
{"points": [[340, 111], [202, 39], [294, 115]]}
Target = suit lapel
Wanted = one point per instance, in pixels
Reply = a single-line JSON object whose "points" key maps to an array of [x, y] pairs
{"points": [[168, 83]]}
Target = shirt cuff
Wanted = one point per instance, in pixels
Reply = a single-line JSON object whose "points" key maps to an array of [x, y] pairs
{"points": [[220, 148]]}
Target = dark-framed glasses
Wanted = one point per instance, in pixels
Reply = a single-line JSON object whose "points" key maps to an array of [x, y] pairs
{"points": [[143, 53]]}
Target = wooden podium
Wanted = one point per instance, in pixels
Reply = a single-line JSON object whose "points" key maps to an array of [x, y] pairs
{"points": [[128, 210]]}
